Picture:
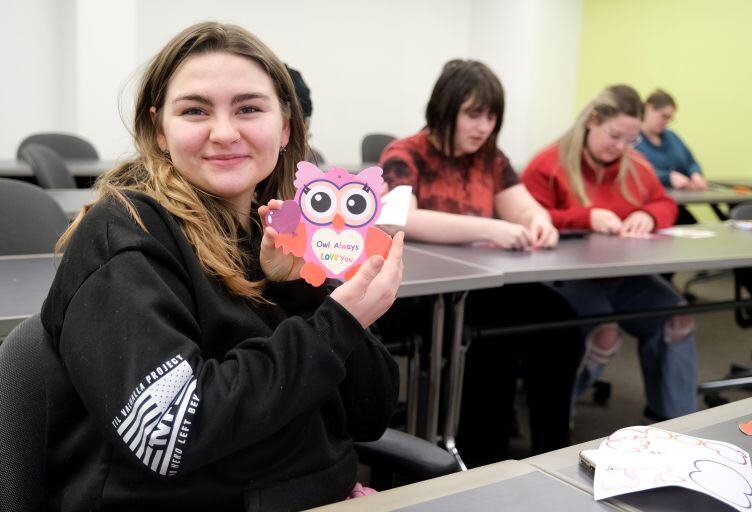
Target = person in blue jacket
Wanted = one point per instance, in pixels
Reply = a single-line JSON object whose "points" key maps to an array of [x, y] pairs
{"points": [[674, 163]]}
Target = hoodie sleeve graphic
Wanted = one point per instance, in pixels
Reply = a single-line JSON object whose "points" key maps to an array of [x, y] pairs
{"points": [[156, 420]]}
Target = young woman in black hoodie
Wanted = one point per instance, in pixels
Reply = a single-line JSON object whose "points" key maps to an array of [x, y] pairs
{"points": [[202, 373]]}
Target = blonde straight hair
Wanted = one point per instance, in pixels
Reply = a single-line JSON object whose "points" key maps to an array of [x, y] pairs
{"points": [[208, 222], [612, 101]]}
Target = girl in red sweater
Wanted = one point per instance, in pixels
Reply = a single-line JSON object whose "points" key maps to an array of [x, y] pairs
{"points": [[593, 179]]}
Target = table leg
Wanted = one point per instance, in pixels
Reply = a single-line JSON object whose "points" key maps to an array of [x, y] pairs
{"points": [[456, 377], [434, 375]]}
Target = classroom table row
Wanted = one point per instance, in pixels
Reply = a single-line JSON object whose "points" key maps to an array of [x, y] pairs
{"points": [[71, 200], [552, 480], [26, 279], [93, 168], [445, 274], [80, 168], [556, 480]]}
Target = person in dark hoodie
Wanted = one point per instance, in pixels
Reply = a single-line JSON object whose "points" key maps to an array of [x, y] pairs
{"points": [[204, 373]]}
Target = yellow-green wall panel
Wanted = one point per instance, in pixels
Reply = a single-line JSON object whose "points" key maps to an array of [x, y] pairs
{"points": [[697, 50]]}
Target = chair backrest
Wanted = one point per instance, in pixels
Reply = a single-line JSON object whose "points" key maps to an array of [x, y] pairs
{"points": [[30, 220], [23, 415], [742, 211], [49, 168], [373, 145], [66, 145]]}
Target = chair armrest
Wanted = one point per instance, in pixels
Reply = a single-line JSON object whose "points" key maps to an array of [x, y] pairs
{"points": [[407, 455]]}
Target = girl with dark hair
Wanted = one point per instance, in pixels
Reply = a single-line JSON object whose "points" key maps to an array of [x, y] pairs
{"points": [[464, 191], [673, 162], [201, 373], [591, 178]]}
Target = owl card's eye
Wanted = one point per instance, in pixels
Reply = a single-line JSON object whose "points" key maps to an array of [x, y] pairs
{"points": [[358, 204], [319, 202]]}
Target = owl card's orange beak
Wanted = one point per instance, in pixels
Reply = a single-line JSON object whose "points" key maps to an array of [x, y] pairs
{"points": [[338, 222]]}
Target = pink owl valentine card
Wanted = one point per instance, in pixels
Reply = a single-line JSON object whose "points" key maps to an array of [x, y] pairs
{"points": [[330, 223]]}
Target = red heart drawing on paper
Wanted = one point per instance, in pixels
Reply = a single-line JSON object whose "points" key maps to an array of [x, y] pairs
{"points": [[746, 427]]}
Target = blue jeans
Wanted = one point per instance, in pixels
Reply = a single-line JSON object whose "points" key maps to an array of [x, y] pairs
{"points": [[669, 366]]}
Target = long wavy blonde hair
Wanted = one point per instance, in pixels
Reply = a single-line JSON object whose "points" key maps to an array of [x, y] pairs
{"points": [[612, 101], [210, 224]]}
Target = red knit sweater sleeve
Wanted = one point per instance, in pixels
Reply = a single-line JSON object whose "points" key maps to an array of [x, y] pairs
{"points": [[658, 204], [548, 186]]}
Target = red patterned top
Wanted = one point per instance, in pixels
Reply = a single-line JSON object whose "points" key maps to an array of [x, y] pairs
{"points": [[465, 185]]}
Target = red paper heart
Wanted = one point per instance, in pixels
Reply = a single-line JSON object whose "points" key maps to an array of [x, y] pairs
{"points": [[746, 427]]}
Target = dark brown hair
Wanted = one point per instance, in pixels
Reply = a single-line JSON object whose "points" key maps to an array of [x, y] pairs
{"points": [[459, 81], [659, 99], [209, 222]]}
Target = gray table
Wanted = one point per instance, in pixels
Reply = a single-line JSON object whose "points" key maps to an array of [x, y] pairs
{"points": [[93, 168], [71, 200], [24, 283], [509, 485], [733, 182], [594, 256], [609, 256], [85, 168], [718, 423], [715, 194]]}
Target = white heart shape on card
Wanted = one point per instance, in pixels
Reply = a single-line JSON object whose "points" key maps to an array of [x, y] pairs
{"points": [[337, 251]]}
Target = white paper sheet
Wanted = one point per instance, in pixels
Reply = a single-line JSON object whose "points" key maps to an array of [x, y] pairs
{"points": [[394, 206], [682, 232], [640, 458]]}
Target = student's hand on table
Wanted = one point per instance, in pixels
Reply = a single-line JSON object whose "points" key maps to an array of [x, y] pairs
{"points": [[697, 182], [543, 232], [508, 235], [372, 290], [678, 180], [276, 265], [605, 221], [638, 222]]}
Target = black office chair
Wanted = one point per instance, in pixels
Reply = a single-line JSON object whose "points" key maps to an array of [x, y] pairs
{"points": [[739, 376], [315, 156], [29, 366], [742, 276], [68, 146], [24, 356], [373, 145], [30, 220], [48, 167]]}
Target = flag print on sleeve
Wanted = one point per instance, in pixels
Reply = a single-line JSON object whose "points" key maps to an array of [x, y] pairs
{"points": [[156, 420]]}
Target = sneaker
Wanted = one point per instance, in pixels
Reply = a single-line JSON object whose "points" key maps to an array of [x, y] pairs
{"points": [[651, 416]]}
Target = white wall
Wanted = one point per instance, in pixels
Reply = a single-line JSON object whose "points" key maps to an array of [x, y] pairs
{"points": [[533, 47], [30, 43], [370, 65]]}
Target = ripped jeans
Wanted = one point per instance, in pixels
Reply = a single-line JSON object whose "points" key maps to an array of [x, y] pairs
{"points": [[667, 347]]}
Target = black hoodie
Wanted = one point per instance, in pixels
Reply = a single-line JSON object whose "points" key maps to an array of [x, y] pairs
{"points": [[181, 396]]}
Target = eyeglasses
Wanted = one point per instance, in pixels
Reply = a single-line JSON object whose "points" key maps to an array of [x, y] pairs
{"points": [[617, 137]]}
